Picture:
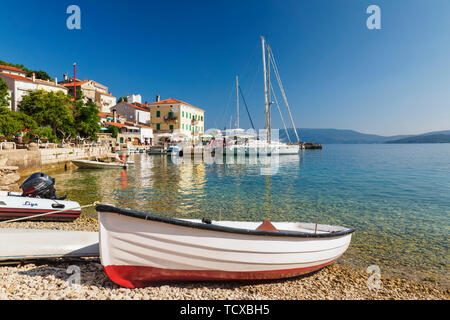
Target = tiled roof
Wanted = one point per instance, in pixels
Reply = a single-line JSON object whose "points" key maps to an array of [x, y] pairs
{"points": [[173, 101], [106, 94], [71, 84], [142, 106], [11, 69], [119, 125], [24, 79], [137, 107]]}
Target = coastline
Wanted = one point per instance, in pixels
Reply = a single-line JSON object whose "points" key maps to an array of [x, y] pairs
{"points": [[48, 280]]}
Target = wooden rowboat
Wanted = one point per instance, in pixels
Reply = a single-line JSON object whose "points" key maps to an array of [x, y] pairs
{"points": [[88, 164], [138, 248], [23, 244]]}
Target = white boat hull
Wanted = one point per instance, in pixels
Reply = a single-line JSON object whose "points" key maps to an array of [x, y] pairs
{"points": [[13, 205], [23, 244], [135, 252], [88, 164]]}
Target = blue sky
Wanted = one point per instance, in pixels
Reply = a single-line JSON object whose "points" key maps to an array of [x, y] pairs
{"points": [[336, 72]]}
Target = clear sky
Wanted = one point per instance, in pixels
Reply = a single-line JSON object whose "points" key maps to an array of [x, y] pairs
{"points": [[336, 72]]}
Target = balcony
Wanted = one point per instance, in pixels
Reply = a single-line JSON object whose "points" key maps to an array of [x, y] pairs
{"points": [[194, 122], [170, 119]]}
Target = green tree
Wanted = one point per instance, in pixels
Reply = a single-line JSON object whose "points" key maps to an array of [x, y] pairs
{"points": [[114, 131], [39, 74], [52, 109], [14, 123], [86, 120], [4, 95]]}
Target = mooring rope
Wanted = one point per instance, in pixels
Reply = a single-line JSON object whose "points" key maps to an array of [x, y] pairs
{"points": [[51, 212]]}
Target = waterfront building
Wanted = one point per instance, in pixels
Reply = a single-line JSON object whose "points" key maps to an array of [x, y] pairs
{"points": [[175, 116], [133, 110], [92, 92], [130, 133], [109, 117], [20, 85]]}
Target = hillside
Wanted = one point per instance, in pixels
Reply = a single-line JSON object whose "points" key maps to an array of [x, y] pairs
{"points": [[426, 138], [333, 136], [338, 136]]}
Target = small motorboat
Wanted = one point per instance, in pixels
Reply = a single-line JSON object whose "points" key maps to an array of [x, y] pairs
{"points": [[38, 197], [174, 150], [153, 151], [94, 164], [139, 248], [24, 244]]}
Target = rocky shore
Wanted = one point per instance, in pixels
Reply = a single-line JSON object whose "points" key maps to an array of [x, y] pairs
{"points": [[53, 280]]}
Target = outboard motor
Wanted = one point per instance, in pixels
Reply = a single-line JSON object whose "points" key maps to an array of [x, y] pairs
{"points": [[40, 185]]}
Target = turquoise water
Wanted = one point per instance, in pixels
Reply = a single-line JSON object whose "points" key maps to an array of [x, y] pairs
{"points": [[397, 197]]}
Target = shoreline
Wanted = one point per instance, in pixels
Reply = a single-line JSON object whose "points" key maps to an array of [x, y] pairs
{"points": [[47, 279]]}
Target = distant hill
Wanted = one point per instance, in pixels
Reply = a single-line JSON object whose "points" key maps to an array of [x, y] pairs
{"points": [[424, 138], [338, 136], [334, 136]]}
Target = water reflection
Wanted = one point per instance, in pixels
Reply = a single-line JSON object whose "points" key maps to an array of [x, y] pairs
{"points": [[395, 196]]}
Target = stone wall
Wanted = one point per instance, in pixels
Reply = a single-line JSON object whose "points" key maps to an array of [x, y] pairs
{"points": [[35, 158], [9, 177], [60, 155]]}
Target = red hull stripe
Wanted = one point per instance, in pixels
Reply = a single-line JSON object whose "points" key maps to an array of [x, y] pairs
{"points": [[27, 214], [140, 277], [11, 213], [33, 210]]}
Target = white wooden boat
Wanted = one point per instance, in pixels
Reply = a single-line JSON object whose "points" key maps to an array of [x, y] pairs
{"points": [[137, 248], [13, 205], [22, 244], [91, 164]]}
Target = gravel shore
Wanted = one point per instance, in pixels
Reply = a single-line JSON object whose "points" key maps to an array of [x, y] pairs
{"points": [[50, 280]]}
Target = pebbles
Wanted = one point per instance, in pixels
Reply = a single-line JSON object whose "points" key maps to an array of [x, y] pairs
{"points": [[50, 280]]}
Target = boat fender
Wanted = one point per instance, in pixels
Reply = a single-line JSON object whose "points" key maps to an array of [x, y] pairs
{"points": [[206, 221]]}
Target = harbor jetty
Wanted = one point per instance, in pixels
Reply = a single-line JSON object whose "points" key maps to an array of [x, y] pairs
{"points": [[34, 157]]}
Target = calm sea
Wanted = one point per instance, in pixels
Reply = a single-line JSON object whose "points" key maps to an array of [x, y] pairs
{"points": [[397, 197]]}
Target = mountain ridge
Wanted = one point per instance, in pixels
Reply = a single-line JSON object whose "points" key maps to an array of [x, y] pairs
{"points": [[347, 136]]}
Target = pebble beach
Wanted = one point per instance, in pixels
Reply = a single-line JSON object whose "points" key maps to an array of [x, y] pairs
{"points": [[52, 279]]}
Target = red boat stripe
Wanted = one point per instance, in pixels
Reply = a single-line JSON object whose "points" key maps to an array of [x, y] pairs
{"points": [[26, 214], [32, 210], [140, 277]]}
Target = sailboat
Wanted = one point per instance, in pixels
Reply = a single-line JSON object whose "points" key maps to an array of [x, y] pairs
{"points": [[267, 146]]}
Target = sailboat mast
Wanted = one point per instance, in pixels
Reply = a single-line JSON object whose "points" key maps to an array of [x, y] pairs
{"points": [[266, 101], [269, 120], [237, 101]]}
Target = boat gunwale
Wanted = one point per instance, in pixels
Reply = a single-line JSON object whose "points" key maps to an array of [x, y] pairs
{"points": [[212, 227]]}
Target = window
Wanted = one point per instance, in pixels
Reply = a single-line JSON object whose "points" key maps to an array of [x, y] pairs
{"points": [[171, 127], [182, 114], [158, 126], [202, 118], [182, 126], [190, 115], [158, 114]]}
